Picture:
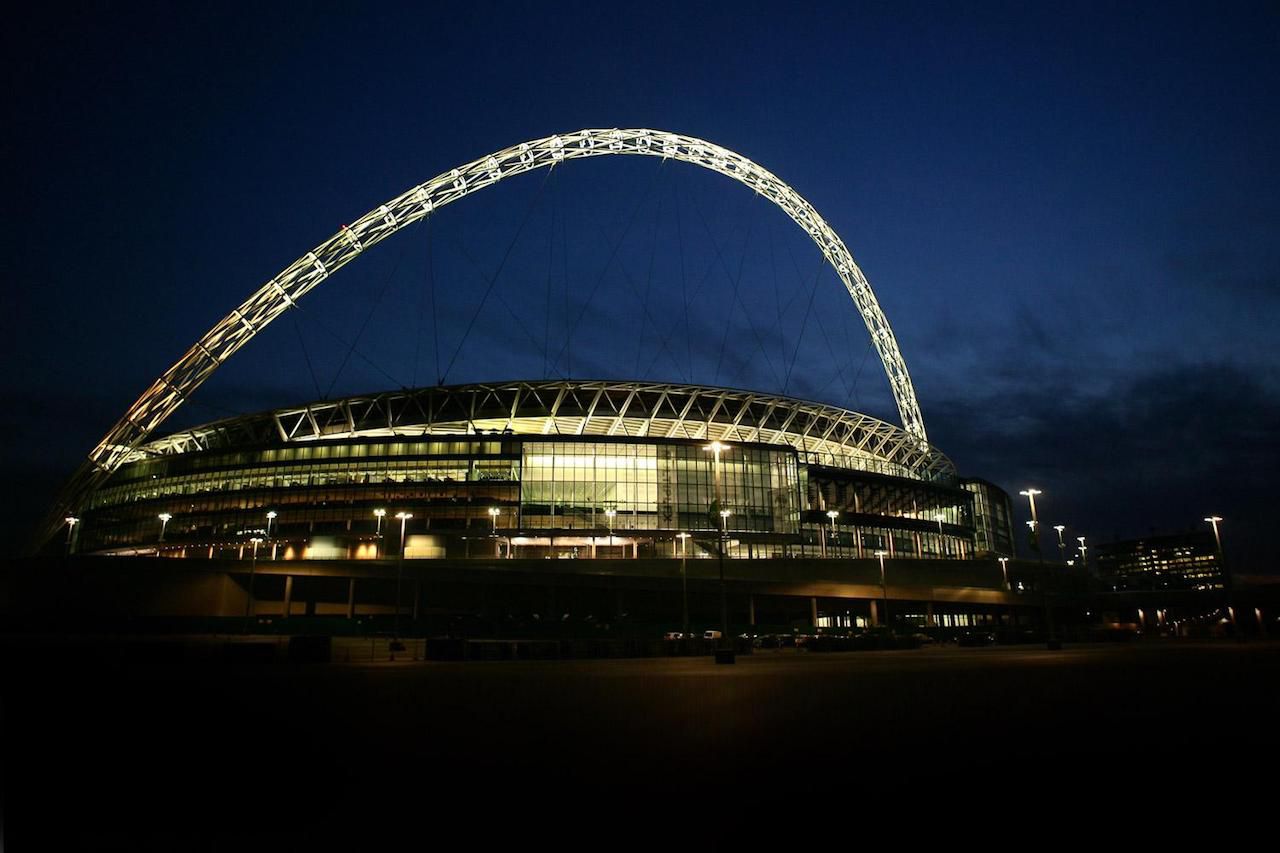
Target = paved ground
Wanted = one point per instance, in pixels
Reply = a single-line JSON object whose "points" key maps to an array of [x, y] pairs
{"points": [[217, 749]]}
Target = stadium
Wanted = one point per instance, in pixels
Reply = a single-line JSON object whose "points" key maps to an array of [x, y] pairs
{"points": [[511, 499]]}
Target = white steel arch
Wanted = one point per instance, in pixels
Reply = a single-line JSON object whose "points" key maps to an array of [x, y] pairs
{"points": [[271, 300]]}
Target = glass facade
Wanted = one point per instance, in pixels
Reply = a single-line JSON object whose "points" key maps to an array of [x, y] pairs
{"points": [[992, 518], [571, 485]]}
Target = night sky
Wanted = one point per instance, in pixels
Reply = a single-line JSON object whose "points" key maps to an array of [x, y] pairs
{"points": [[1069, 212]]}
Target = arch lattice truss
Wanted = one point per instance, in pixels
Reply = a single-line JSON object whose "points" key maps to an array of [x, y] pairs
{"points": [[275, 297]]}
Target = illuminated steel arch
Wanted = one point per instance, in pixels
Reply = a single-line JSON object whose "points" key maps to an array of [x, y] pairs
{"points": [[271, 300]]}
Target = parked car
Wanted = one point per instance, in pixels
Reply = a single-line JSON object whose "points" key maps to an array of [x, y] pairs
{"points": [[975, 638], [711, 635], [673, 635]]}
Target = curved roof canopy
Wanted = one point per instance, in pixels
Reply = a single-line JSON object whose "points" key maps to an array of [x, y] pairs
{"points": [[826, 435]]}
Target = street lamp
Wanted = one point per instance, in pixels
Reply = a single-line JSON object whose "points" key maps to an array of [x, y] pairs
{"points": [[1083, 549], [610, 513], [271, 516], [494, 512], [942, 547], [684, 586], [404, 518], [1034, 524], [72, 521], [1004, 570], [1217, 538], [725, 654], [884, 590], [164, 522], [1222, 565], [1062, 545], [377, 546], [253, 566], [724, 606]]}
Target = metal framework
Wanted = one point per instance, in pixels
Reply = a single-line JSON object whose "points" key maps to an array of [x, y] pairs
{"points": [[824, 435], [271, 300]]}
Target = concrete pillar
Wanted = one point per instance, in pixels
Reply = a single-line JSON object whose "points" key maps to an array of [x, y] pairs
{"points": [[751, 609], [875, 612], [288, 595], [813, 611], [928, 615], [351, 599]]}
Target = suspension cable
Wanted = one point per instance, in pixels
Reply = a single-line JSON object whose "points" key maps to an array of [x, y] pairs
{"points": [[372, 309], [817, 274], [302, 344], [648, 284], [492, 281], [612, 254]]}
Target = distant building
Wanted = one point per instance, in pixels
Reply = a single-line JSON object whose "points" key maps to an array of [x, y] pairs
{"points": [[992, 518], [1177, 561]]}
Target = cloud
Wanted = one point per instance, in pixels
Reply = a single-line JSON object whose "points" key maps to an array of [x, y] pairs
{"points": [[1154, 452]]}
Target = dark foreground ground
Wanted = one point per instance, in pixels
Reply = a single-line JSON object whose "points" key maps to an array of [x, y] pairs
{"points": [[677, 752]]}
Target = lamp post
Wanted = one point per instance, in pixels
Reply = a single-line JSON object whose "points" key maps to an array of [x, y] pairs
{"points": [[1004, 570], [271, 517], [884, 589], [724, 606], [1222, 567], [404, 519], [253, 566], [1030, 494], [684, 586], [942, 547], [71, 521], [377, 546], [610, 514], [725, 653], [494, 512], [1062, 545], [833, 514], [164, 522], [1084, 550], [1034, 524]]}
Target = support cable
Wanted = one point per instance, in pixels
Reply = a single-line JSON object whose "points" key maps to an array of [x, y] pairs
{"points": [[777, 296], [693, 294], [494, 280], [551, 261], [377, 300], [648, 285], [520, 323], [302, 344], [564, 259], [612, 254], [435, 314], [684, 287], [737, 282], [417, 325], [356, 351], [662, 343], [817, 274]]}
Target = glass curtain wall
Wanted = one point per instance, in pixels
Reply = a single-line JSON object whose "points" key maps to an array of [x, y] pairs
{"points": [[571, 485]]}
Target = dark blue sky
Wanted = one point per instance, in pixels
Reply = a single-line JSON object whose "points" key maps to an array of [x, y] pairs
{"points": [[1070, 214]]}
